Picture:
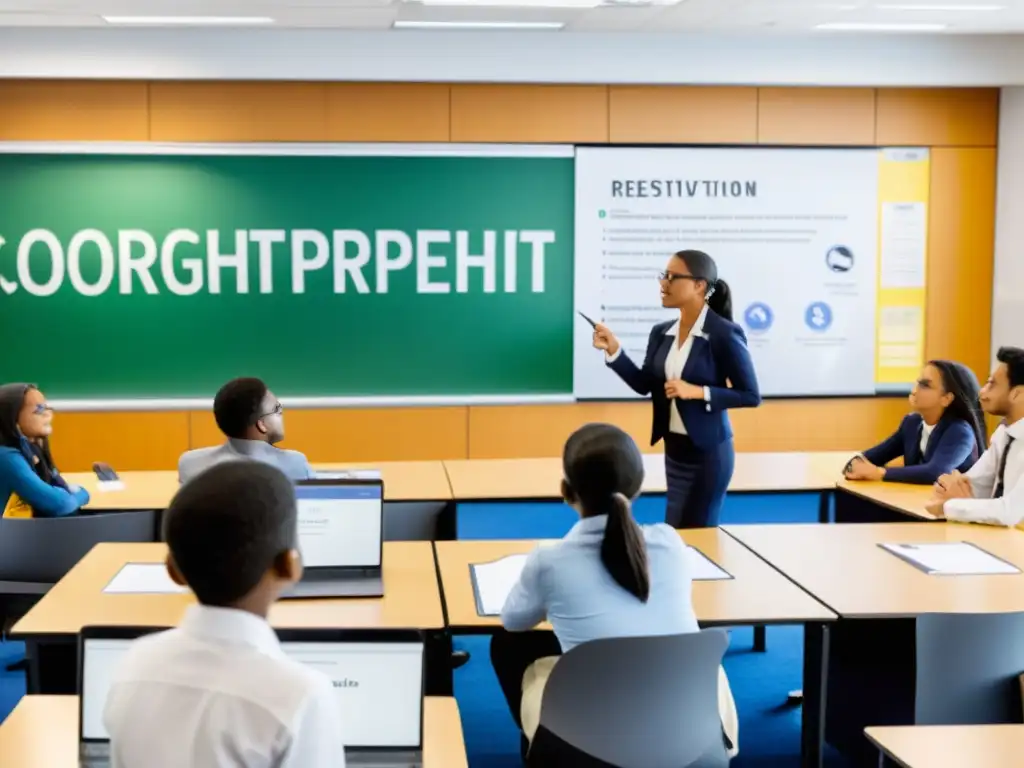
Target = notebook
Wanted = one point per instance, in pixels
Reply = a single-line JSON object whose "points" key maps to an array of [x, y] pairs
{"points": [[494, 580], [951, 558]]}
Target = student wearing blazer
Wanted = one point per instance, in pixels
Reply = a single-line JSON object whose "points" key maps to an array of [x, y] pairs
{"points": [[696, 368], [944, 433], [30, 485]]}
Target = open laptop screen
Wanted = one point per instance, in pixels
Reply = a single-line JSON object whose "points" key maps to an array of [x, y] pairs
{"points": [[100, 661], [340, 524], [379, 687]]}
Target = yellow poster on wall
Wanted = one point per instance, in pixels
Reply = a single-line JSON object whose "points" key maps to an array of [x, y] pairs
{"points": [[903, 185]]}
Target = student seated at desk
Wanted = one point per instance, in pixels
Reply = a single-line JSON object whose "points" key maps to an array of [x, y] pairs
{"points": [[252, 419], [30, 485], [219, 690], [608, 577], [945, 432], [993, 491]]}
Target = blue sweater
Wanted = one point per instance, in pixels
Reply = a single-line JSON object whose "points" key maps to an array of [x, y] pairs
{"points": [[17, 476], [951, 445]]}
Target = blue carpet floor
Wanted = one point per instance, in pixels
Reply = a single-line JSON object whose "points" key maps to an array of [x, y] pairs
{"points": [[769, 727]]}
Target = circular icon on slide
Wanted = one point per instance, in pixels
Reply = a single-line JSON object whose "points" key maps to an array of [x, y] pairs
{"points": [[839, 258], [758, 317], [818, 316]]}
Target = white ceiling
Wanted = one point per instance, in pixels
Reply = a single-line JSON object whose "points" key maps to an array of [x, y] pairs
{"points": [[721, 16]]}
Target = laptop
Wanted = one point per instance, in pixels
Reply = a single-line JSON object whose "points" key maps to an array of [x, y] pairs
{"points": [[100, 651], [378, 676], [341, 538]]}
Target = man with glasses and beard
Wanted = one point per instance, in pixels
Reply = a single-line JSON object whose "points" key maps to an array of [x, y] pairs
{"points": [[252, 419]]}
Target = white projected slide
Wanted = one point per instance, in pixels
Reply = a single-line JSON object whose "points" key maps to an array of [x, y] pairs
{"points": [[379, 688], [340, 526], [794, 233]]}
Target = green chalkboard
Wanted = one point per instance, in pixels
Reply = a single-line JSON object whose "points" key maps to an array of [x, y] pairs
{"points": [[163, 275]]}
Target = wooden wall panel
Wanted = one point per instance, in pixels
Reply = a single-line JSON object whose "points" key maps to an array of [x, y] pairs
{"points": [[840, 116], [955, 117], [682, 114], [57, 110], [530, 113], [500, 432], [388, 112], [127, 440], [211, 111], [361, 434], [961, 244]]}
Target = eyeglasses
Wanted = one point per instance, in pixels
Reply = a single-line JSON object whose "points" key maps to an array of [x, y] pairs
{"points": [[671, 277], [42, 408], [278, 410]]}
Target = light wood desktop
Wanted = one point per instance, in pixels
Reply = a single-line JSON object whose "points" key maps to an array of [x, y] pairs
{"points": [[952, 746], [900, 497], [541, 478], [403, 481], [411, 597], [844, 568], [42, 732], [756, 595]]}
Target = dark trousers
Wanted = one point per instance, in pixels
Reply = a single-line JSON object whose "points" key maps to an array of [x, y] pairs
{"points": [[511, 655], [697, 480]]}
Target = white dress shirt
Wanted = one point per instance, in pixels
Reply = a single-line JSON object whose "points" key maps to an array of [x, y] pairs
{"points": [[926, 435], [675, 361], [1009, 509], [218, 692], [567, 584]]}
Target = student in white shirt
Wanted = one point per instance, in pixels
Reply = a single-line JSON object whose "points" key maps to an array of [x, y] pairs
{"points": [[608, 577], [218, 691], [993, 491]]}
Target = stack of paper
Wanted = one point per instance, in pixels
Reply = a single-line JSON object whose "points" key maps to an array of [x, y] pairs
{"points": [[349, 474], [143, 579], [951, 558]]}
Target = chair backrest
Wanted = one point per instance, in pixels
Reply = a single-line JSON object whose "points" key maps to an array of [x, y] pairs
{"points": [[968, 668], [642, 702], [42, 550]]}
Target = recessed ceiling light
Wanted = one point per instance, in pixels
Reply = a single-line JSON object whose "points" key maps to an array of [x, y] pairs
{"points": [[478, 25], [938, 7], [173, 21], [866, 27]]}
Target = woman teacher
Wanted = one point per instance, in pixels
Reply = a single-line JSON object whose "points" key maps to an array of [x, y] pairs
{"points": [[695, 369]]}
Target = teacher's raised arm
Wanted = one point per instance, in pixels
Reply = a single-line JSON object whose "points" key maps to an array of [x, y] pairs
{"points": [[696, 368]]}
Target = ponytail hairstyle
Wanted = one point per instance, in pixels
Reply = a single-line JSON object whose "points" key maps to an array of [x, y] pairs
{"points": [[960, 381], [703, 267], [603, 472]]}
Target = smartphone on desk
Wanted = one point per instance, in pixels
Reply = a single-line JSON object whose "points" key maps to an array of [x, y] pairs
{"points": [[105, 473]]}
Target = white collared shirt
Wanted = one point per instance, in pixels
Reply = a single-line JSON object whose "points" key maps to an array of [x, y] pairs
{"points": [[1007, 510], [926, 434], [675, 361], [218, 692], [568, 584]]}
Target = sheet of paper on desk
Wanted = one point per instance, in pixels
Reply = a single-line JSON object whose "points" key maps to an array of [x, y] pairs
{"points": [[493, 581], [143, 579], [349, 474], [704, 568], [951, 558]]}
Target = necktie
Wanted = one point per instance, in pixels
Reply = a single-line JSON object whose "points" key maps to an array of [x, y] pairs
{"points": [[998, 493]]}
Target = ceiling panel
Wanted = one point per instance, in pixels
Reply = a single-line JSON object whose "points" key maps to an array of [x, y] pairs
{"points": [[764, 16]]}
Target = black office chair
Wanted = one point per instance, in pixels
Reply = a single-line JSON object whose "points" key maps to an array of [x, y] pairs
{"points": [[36, 553], [968, 668], [641, 702]]}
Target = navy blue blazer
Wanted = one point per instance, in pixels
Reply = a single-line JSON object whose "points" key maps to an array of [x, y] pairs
{"points": [[719, 353], [951, 445]]}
